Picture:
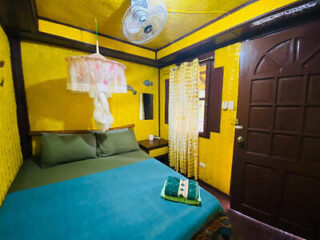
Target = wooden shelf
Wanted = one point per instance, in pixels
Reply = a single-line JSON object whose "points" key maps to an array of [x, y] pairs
{"points": [[38, 133], [148, 145]]}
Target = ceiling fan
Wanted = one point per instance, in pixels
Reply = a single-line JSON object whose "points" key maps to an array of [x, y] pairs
{"points": [[145, 19]]}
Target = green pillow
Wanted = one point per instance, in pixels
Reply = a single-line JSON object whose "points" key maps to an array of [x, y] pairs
{"points": [[115, 142], [64, 148]]}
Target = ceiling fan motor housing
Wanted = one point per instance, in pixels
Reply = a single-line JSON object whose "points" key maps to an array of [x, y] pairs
{"points": [[138, 8], [148, 29]]}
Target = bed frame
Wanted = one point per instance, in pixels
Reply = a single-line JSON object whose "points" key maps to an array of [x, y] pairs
{"points": [[38, 133]]}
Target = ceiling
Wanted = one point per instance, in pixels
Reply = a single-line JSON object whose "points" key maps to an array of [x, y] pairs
{"points": [[109, 14]]}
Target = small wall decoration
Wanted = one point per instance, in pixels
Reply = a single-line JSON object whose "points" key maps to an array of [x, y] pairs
{"points": [[148, 83], [130, 88]]}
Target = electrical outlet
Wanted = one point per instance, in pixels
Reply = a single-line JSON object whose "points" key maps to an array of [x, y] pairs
{"points": [[202, 164]]}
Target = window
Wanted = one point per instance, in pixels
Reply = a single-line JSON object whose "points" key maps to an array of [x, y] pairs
{"points": [[202, 95], [210, 97]]}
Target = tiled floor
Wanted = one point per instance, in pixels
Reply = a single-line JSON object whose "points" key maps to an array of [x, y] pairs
{"points": [[244, 227]]}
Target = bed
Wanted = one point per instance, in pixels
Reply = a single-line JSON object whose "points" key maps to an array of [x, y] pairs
{"points": [[115, 197]]}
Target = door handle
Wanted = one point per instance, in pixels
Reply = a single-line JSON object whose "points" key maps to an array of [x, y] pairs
{"points": [[240, 139]]}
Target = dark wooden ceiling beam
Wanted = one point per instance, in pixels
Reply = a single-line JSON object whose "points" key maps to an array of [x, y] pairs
{"points": [[18, 15], [20, 96], [85, 47]]}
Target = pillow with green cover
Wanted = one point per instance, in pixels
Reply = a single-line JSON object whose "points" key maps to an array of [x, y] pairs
{"points": [[64, 148], [116, 142]]}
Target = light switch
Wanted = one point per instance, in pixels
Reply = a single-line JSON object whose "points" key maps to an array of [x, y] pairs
{"points": [[224, 105], [230, 105], [202, 164]]}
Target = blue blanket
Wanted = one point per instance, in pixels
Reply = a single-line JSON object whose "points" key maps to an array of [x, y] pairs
{"points": [[122, 203]]}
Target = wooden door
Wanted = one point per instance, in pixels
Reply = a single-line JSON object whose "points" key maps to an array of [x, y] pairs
{"points": [[276, 169]]}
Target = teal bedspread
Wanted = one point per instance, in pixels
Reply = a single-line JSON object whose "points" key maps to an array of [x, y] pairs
{"points": [[122, 203]]}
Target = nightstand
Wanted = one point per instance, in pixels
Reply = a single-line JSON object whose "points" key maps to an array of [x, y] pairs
{"points": [[157, 148]]}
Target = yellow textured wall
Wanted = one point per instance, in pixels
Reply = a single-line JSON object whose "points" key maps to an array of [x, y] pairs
{"points": [[10, 152], [52, 107], [216, 152]]}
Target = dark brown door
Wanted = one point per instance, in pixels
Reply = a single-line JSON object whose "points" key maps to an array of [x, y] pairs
{"points": [[276, 168]]}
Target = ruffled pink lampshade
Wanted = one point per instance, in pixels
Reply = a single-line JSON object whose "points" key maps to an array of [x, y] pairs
{"points": [[96, 73]]}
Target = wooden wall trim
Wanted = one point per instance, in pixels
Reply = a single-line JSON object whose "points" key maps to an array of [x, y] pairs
{"points": [[77, 45], [215, 100], [159, 104], [19, 89], [18, 15], [166, 103], [38, 133]]}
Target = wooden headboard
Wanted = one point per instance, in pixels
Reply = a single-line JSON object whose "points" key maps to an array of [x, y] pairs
{"points": [[38, 133]]}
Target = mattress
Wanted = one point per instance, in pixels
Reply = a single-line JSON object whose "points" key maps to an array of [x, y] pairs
{"points": [[31, 175], [120, 201]]}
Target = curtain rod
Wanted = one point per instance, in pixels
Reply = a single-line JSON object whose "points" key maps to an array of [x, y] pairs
{"points": [[202, 60], [206, 59]]}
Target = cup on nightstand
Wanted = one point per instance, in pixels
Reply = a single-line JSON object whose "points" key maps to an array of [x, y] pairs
{"points": [[150, 137]]}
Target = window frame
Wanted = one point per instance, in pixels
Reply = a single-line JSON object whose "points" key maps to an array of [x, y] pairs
{"points": [[166, 103], [206, 132], [214, 84]]}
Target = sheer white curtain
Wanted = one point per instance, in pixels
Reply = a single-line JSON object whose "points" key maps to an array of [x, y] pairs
{"points": [[183, 117]]}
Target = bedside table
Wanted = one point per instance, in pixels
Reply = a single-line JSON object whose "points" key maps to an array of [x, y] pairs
{"points": [[157, 148]]}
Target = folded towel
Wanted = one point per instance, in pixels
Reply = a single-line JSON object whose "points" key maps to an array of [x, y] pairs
{"points": [[178, 190], [196, 202], [177, 187]]}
